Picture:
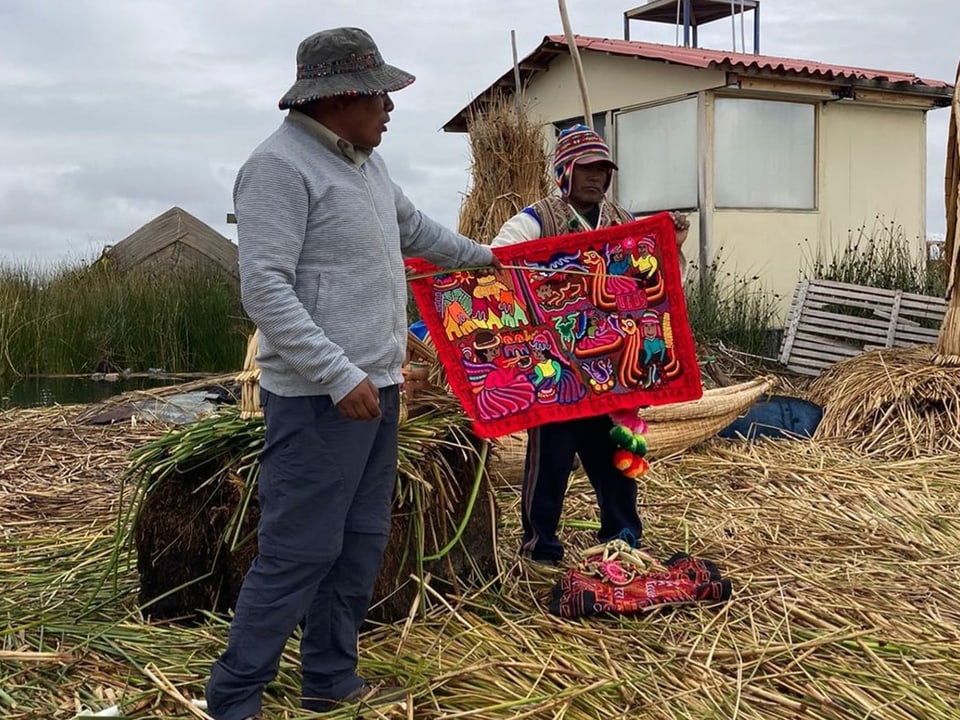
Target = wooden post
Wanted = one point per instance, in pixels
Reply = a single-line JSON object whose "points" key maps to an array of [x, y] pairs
{"points": [[948, 342], [951, 188], [516, 73], [577, 64]]}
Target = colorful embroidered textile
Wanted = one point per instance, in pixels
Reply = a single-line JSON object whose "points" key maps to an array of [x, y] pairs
{"points": [[615, 580], [577, 325]]}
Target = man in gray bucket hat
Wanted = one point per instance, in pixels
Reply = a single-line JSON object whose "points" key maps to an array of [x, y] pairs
{"points": [[322, 234]]}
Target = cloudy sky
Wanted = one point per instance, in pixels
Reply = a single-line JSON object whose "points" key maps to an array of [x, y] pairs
{"points": [[112, 111]]}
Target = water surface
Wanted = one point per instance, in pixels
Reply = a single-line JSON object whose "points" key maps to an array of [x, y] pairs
{"points": [[58, 390]]}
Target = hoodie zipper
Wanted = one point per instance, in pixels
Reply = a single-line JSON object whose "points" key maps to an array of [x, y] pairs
{"points": [[386, 254]]}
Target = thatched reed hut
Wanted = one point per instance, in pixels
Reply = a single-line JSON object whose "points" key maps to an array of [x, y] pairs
{"points": [[174, 241]]}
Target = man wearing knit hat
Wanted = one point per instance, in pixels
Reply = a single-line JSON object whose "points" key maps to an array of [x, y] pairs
{"points": [[322, 234], [584, 171]]}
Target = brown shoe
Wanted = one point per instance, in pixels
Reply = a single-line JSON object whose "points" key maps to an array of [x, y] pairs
{"points": [[368, 695]]}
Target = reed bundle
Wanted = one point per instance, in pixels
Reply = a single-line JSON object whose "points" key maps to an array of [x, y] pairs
{"points": [[195, 512], [844, 568], [896, 403], [509, 167], [249, 379]]}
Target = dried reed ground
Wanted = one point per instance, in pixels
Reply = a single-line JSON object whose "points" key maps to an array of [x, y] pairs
{"points": [[845, 569]]}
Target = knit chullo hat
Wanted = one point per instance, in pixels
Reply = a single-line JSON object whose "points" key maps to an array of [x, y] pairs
{"points": [[341, 61], [578, 145]]}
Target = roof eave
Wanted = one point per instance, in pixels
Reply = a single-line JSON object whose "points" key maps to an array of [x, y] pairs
{"points": [[938, 96], [539, 61]]}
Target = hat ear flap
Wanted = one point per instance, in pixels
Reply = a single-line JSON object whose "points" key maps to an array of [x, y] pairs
{"points": [[564, 177]]}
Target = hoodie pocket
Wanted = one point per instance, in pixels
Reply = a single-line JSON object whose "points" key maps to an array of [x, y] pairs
{"points": [[322, 302]]}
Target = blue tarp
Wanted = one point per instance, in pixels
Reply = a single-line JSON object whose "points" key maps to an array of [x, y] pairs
{"points": [[778, 416]]}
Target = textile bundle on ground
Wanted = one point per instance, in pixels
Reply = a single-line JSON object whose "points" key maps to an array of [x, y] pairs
{"points": [[614, 579], [575, 325]]}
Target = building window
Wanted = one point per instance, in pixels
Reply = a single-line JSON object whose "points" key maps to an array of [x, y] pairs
{"points": [[599, 124], [657, 155], [764, 154]]}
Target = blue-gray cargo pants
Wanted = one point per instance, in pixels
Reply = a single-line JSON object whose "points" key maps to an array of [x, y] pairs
{"points": [[326, 487]]}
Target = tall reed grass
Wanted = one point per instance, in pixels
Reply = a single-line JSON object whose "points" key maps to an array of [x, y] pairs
{"points": [[880, 256], [729, 307], [85, 319]]}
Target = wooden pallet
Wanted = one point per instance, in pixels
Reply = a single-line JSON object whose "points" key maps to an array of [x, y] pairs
{"points": [[832, 321]]}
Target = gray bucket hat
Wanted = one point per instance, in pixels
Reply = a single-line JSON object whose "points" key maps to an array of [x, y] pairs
{"points": [[341, 61]]}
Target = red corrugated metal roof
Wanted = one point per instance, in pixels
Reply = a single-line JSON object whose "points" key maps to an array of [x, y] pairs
{"points": [[720, 59], [939, 91]]}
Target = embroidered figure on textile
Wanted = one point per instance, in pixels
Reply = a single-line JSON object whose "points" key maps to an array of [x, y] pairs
{"points": [[597, 334], [500, 383], [512, 312], [553, 377], [566, 326], [654, 347], [489, 294], [629, 294], [600, 295], [600, 374], [645, 261], [647, 265], [455, 306], [556, 294]]}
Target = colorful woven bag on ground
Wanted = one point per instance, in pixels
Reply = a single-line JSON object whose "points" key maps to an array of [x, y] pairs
{"points": [[615, 579]]}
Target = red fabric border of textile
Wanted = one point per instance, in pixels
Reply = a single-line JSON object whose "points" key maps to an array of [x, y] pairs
{"points": [[448, 311]]}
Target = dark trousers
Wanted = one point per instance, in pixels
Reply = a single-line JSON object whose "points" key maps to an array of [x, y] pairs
{"points": [[550, 453], [326, 488]]}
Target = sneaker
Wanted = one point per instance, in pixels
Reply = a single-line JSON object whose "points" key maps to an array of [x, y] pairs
{"points": [[368, 695], [629, 537]]}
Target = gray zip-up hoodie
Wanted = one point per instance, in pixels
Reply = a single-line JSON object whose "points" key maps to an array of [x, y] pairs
{"points": [[321, 270]]}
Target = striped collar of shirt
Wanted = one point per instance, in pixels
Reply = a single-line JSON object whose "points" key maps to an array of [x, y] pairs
{"points": [[355, 154]]}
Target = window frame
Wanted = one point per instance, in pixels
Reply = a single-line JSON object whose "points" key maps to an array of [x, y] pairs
{"points": [[698, 150], [815, 104]]}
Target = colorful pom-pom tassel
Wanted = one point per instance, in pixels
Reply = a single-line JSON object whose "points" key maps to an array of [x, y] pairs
{"points": [[628, 436], [640, 468], [638, 445], [633, 466], [639, 426], [623, 459], [621, 436]]}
